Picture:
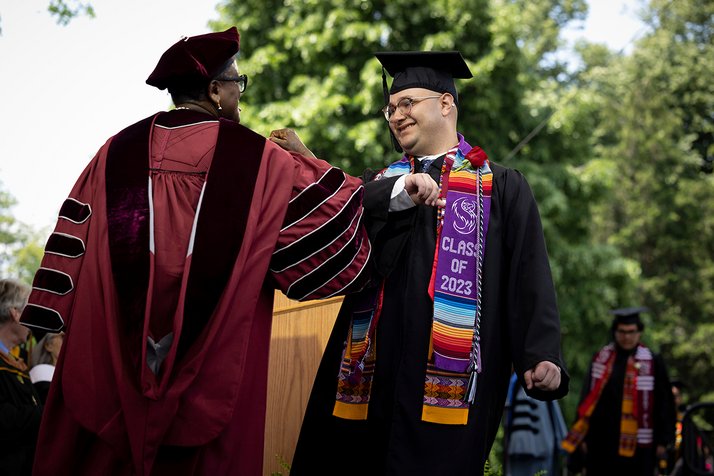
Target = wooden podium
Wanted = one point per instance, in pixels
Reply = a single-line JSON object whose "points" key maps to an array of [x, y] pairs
{"points": [[299, 336]]}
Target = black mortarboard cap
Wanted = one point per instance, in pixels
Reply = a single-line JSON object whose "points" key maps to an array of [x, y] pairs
{"points": [[628, 315], [433, 70]]}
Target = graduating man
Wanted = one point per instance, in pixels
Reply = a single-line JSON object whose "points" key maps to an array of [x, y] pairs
{"points": [[415, 375], [162, 270], [626, 416]]}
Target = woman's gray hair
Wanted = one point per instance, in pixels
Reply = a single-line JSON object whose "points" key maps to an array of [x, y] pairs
{"points": [[13, 294], [40, 355]]}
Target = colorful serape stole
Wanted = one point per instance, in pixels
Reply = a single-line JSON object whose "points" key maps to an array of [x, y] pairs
{"points": [[601, 370], [637, 400], [354, 382], [454, 350]]}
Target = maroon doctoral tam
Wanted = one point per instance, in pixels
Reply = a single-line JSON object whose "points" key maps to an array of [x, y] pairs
{"points": [[195, 58]]}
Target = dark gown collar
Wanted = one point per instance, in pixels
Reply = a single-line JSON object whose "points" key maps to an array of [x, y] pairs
{"points": [[183, 117]]}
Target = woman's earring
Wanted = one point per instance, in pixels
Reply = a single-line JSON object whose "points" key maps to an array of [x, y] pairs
{"points": [[218, 103]]}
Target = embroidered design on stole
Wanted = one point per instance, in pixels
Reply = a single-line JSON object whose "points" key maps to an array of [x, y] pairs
{"points": [[455, 286]]}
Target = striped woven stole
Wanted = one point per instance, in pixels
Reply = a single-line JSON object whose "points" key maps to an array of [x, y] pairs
{"points": [[455, 286], [454, 352], [354, 382], [637, 400], [628, 419]]}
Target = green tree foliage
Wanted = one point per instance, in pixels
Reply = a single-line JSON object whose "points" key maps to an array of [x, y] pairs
{"points": [[655, 132], [20, 248], [313, 66], [65, 10]]}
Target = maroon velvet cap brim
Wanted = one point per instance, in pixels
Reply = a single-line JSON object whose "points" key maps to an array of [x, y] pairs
{"points": [[195, 59]]}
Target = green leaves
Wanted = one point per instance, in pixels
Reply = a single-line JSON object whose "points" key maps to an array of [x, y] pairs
{"points": [[656, 132], [20, 248], [65, 10]]}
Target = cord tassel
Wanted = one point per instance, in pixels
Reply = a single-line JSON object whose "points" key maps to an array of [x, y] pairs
{"points": [[471, 387]]}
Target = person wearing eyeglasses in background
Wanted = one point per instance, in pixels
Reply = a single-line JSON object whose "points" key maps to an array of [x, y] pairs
{"points": [[415, 375], [626, 415], [162, 271]]}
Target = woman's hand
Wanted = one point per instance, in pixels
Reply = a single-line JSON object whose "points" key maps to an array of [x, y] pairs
{"points": [[289, 140]]}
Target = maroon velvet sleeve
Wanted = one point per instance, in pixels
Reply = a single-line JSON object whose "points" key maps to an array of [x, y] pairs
{"points": [[323, 247], [52, 297]]}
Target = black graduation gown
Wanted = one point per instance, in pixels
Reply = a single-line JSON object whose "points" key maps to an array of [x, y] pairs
{"points": [[520, 325], [20, 414], [603, 437]]}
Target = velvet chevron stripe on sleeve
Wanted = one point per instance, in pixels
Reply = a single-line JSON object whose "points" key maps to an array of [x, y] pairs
{"points": [[323, 247]]}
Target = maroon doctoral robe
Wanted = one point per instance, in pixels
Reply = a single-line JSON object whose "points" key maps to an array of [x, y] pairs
{"points": [[182, 225]]}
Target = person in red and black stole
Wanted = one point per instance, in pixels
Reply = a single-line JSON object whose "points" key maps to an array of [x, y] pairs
{"points": [[162, 270], [626, 415]]}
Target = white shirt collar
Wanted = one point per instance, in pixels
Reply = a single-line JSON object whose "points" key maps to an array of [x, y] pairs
{"points": [[430, 157]]}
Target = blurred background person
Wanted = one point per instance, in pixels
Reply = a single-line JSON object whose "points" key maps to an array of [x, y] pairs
{"points": [[674, 456], [533, 432], [20, 407], [626, 413], [44, 359]]}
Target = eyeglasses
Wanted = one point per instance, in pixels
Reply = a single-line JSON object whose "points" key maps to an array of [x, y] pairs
{"points": [[626, 333], [404, 105], [242, 81]]}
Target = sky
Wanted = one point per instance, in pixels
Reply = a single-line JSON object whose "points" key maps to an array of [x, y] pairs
{"points": [[64, 90]]}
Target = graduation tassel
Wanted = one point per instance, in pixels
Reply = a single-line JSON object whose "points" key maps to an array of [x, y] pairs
{"points": [[471, 387], [385, 94]]}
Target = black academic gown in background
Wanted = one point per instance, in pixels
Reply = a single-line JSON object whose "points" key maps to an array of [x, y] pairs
{"points": [[20, 414], [603, 437], [520, 324], [533, 432]]}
